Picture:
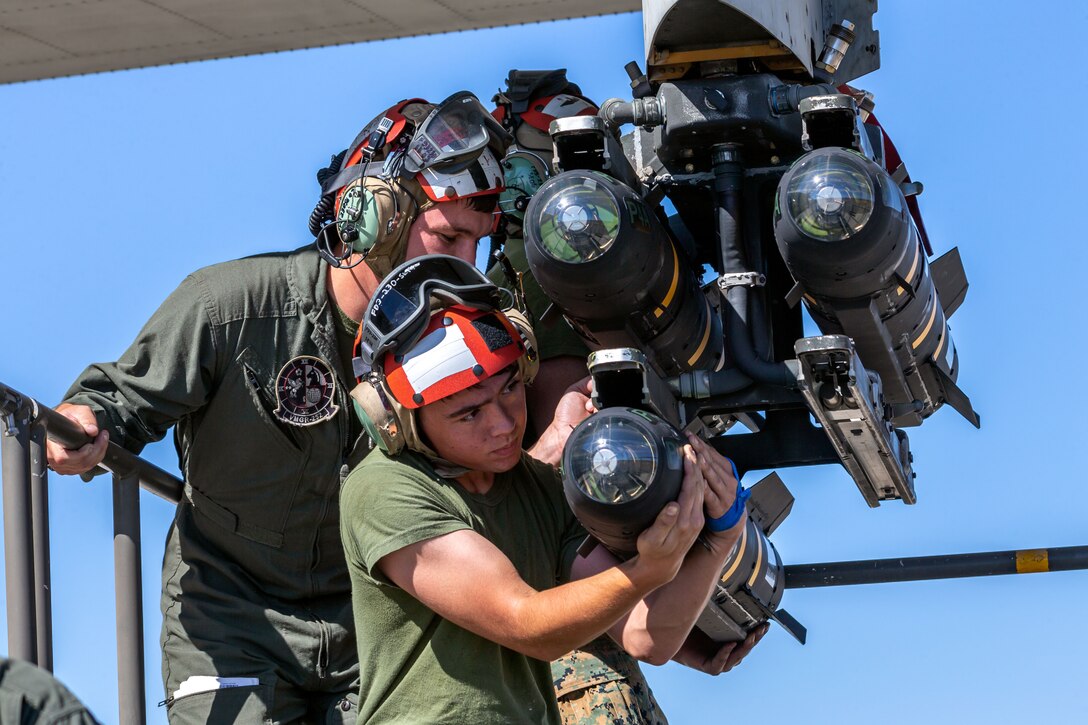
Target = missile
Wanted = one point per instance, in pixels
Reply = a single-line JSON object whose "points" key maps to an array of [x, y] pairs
{"points": [[846, 234], [621, 466], [595, 245]]}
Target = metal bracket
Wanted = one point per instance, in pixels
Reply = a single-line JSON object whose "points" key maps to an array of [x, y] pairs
{"points": [[911, 188], [741, 279], [847, 400]]}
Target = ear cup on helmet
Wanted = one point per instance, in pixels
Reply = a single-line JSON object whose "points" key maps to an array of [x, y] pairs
{"points": [[374, 215], [380, 416], [529, 363], [366, 213], [358, 219]]}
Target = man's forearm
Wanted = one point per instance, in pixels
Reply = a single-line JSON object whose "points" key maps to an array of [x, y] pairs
{"points": [[657, 627], [555, 621]]}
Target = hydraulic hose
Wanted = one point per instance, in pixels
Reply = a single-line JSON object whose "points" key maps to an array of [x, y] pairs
{"points": [[728, 174]]}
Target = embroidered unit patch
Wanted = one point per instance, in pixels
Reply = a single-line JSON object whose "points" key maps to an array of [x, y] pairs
{"points": [[305, 391]]}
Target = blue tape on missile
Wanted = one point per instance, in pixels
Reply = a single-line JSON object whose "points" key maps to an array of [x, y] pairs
{"points": [[730, 518]]}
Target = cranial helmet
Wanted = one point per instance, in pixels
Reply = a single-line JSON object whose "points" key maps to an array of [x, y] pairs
{"points": [[434, 327], [531, 101], [411, 156]]}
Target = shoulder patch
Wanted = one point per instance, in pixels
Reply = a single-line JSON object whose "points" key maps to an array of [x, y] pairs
{"points": [[305, 391]]}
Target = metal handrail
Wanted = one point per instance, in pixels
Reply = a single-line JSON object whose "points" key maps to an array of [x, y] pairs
{"points": [[117, 461], [26, 423]]}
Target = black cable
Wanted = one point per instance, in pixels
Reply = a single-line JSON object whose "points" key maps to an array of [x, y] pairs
{"points": [[322, 213]]}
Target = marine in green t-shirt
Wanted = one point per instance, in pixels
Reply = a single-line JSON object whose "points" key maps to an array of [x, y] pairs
{"points": [[418, 666], [600, 680], [459, 546]]}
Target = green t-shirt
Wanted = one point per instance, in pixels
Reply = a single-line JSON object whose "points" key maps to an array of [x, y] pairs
{"points": [[415, 666]]}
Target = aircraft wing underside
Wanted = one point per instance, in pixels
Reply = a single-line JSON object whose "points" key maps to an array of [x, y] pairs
{"points": [[50, 39]]}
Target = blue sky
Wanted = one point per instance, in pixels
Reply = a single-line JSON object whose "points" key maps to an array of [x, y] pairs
{"points": [[113, 187]]}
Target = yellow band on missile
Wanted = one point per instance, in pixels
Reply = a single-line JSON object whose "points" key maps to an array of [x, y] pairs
{"points": [[759, 559], [702, 343], [929, 323], [1032, 561], [940, 344], [738, 554], [672, 285], [913, 268]]}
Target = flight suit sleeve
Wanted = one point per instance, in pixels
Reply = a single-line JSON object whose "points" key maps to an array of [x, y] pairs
{"points": [[167, 373]]}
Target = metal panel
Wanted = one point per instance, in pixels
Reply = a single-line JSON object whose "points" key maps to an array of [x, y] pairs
{"points": [[51, 39], [276, 17], [77, 29], [672, 26]]}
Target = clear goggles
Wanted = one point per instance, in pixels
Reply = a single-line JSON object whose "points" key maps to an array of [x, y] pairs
{"points": [[400, 308], [453, 135]]}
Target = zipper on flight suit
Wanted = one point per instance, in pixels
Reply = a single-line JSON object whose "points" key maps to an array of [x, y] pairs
{"points": [[342, 429]]}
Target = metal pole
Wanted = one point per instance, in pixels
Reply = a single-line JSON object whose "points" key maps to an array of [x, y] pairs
{"points": [[70, 435], [117, 459], [39, 504], [921, 568], [127, 586], [18, 543]]}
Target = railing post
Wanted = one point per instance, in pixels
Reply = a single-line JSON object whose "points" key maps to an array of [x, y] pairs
{"points": [[127, 587], [39, 505], [18, 542]]}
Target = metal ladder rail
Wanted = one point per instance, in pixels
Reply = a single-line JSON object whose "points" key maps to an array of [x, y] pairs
{"points": [[26, 423]]}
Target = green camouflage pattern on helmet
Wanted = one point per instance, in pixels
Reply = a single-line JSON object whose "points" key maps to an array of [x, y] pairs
{"points": [[603, 685]]}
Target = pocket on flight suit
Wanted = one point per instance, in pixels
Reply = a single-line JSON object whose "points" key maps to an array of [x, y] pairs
{"points": [[243, 467], [243, 704]]}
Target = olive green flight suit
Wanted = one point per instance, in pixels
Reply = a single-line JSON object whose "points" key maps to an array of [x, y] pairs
{"points": [[600, 684], [243, 358], [31, 696]]}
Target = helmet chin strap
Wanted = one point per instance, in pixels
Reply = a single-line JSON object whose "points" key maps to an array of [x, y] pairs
{"points": [[415, 440]]}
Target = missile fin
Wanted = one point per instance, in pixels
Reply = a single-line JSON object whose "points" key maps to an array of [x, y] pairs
{"points": [[770, 503], [900, 174], [794, 295], [949, 279], [790, 624], [958, 399], [587, 546]]}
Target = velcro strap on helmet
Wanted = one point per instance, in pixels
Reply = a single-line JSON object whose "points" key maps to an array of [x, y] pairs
{"points": [[343, 177]]}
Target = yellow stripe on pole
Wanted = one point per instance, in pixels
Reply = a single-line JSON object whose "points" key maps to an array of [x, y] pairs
{"points": [[1032, 561]]}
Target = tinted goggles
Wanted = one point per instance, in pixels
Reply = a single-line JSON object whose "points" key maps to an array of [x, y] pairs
{"points": [[452, 135], [400, 308]]}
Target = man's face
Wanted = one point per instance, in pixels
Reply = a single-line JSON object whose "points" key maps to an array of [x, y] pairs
{"points": [[480, 428], [449, 227]]}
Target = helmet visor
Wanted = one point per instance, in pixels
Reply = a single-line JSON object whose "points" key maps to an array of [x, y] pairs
{"points": [[401, 306], [482, 175], [452, 135]]}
